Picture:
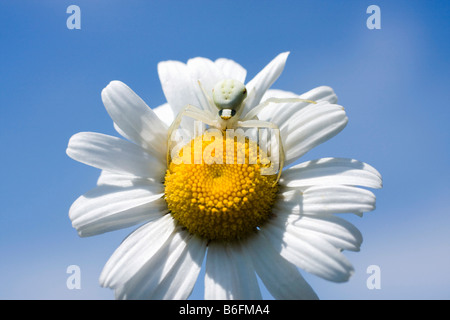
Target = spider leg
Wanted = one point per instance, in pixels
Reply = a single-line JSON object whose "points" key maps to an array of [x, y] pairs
{"points": [[210, 103], [266, 124], [192, 112], [254, 111]]}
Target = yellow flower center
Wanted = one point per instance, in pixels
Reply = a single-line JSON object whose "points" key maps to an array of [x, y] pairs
{"points": [[218, 194]]}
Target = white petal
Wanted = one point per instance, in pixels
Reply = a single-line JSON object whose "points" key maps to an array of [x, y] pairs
{"points": [[135, 119], [179, 87], [178, 284], [258, 86], [165, 113], [318, 94], [114, 155], [205, 71], [130, 217], [119, 180], [279, 113], [337, 231], [308, 251], [134, 252], [331, 171], [108, 208], [327, 199], [310, 127], [229, 273], [281, 278], [169, 274], [231, 69], [322, 93]]}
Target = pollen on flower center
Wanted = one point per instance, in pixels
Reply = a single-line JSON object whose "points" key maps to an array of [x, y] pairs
{"points": [[214, 194]]}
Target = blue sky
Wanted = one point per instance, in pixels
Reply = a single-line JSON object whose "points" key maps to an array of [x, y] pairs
{"points": [[393, 83]]}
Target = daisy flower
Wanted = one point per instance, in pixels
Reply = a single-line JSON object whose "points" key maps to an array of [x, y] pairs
{"points": [[246, 224]]}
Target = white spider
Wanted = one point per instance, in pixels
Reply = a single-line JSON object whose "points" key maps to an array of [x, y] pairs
{"points": [[225, 111]]}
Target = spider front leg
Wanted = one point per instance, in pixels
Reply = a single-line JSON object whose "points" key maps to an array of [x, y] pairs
{"points": [[254, 111], [270, 125], [192, 112]]}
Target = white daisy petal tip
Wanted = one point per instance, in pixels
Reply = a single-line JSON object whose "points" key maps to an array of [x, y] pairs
{"points": [[283, 55], [260, 83], [113, 84], [113, 87]]}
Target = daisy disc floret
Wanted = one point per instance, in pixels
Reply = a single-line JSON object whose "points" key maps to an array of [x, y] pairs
{"points": [[220, 201]]}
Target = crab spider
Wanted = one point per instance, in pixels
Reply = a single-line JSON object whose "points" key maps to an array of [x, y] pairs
{"points": [[225, 110]]}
